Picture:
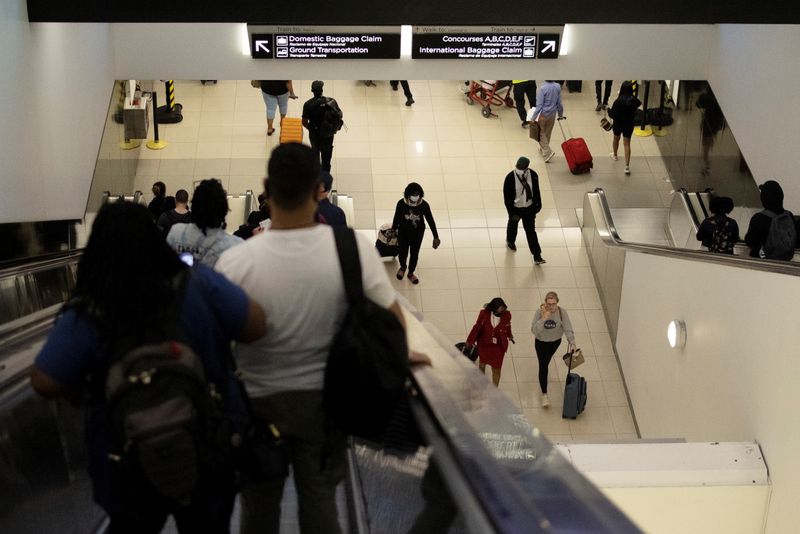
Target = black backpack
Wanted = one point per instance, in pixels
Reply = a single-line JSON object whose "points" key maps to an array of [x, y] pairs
{"points": [[331, 117], [368, 361], [722, 238], [781, 237], [162, 411]]}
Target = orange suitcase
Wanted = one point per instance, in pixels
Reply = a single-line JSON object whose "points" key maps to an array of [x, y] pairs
{"points": [[291, 130]]}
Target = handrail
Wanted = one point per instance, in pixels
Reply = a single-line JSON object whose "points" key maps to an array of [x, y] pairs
{"points": [[523, 484], [611, 237], [40, 263], [684, 196]]}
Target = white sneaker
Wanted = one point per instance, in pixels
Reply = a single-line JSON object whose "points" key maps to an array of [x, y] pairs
{"points": [[613, 156], [545, 401], [627, 170]]}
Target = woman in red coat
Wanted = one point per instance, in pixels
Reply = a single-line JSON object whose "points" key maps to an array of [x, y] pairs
{"points": [[492, 332]]}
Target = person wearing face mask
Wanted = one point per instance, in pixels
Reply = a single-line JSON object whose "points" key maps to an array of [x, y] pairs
{"points": [[409, 222], [523, 201], [550, 324], [492, 332]]}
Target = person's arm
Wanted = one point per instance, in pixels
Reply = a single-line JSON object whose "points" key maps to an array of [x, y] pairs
{"points": [[291, 89], [559, 105], [255, 325], [510, 333], [704, 233], [755, 232], [539, 103], [398, 214], [509, 192], [567, 326], [537, 194], [537, 325], [163, 221], [426, 212], [45, 386], [735, 230], [472, 338]]}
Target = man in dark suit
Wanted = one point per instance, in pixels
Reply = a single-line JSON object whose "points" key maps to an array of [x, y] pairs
{"points": [[523, 201]]}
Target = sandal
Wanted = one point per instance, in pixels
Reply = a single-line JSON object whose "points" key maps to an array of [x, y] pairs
{"points": [[401, 273], [413, 279], [270, 131]]}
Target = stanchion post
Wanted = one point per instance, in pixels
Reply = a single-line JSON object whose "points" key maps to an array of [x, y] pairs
{"points": [[644, 130], [660, 131], [156, 143], [169, 90]]}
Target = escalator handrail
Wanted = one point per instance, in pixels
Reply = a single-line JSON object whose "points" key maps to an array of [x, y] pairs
{"points": [[40, 264], [611, 237], [687, 204]]}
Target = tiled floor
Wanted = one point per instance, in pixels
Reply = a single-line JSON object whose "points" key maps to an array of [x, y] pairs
{"points": [[460, 158]]}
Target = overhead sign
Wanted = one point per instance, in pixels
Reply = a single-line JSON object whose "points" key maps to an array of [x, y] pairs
{"points": [[497, 42], [316, 43]]}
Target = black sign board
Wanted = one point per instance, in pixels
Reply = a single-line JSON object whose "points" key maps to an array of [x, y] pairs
{"points": [[261, 45], [548, 45], [325, 45], [473, 46]]}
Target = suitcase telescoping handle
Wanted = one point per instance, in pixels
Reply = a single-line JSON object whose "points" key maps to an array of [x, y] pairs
{"points": [[569, 130]]}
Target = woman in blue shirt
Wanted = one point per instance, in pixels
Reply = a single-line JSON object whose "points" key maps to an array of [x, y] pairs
{"points": [[126, 285]]}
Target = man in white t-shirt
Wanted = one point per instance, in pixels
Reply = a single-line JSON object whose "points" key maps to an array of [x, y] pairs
{"points": [[293, 271]]}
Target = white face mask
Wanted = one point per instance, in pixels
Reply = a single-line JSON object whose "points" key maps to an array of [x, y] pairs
{"points": [[519, 172], [414, 198]]}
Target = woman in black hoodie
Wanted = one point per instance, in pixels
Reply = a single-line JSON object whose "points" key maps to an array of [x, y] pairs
{"points": [[409, 221], [759, 230]]}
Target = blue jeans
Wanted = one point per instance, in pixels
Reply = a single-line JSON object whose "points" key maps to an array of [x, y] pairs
{"points": [[272, 102]]}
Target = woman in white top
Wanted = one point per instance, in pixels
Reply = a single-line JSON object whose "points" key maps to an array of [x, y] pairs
{"points": [[205, 238]]}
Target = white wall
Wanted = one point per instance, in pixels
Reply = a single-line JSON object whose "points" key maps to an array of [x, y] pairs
{"points": [[736, 379], [755, 72], [55, 84], [608, 51]]}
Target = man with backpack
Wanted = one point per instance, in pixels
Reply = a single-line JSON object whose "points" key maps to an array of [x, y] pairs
{"points": [[322, 117], [772, 233], [180, 214], [294, 271]]}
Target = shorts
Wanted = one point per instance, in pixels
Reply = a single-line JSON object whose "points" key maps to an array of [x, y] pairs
{"points": [[625, 130]]}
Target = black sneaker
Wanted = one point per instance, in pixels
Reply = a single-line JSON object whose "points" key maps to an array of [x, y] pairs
{"points": [[394, 87], [599, 107], [511, 246], [409, 102], [538, 261], [525, 124]]}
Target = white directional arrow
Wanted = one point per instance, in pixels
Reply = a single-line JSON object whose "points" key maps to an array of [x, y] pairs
{"points": [[262, 46], [549, 46]]}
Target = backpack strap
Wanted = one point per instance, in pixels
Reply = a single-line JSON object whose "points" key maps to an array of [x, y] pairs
{"points": [[347, 250]]}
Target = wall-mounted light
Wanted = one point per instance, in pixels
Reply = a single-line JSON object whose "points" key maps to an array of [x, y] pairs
{"points": [[244, 40], [676, 334], [566, 41], [405, 40]]}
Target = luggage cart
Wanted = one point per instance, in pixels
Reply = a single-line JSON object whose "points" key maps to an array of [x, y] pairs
{"points": [[488, 92]]}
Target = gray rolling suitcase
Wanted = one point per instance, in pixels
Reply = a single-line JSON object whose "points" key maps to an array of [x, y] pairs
{"points": [[574, 395]]}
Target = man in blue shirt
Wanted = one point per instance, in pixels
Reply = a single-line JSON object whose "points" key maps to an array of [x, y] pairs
{"points": [[125, 287], [548, 100]]}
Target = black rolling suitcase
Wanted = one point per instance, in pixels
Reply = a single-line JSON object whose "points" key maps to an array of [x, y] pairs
{"points": [[574, 395], [574, 86]]}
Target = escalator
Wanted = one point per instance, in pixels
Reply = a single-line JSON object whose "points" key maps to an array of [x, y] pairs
{"points": [[485, 467]]}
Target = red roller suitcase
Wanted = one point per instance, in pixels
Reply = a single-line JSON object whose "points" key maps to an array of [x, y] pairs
{"points": [[576, 152]]}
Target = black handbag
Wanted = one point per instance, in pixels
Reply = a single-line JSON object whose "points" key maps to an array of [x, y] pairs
{"points": [[470, 351]]}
